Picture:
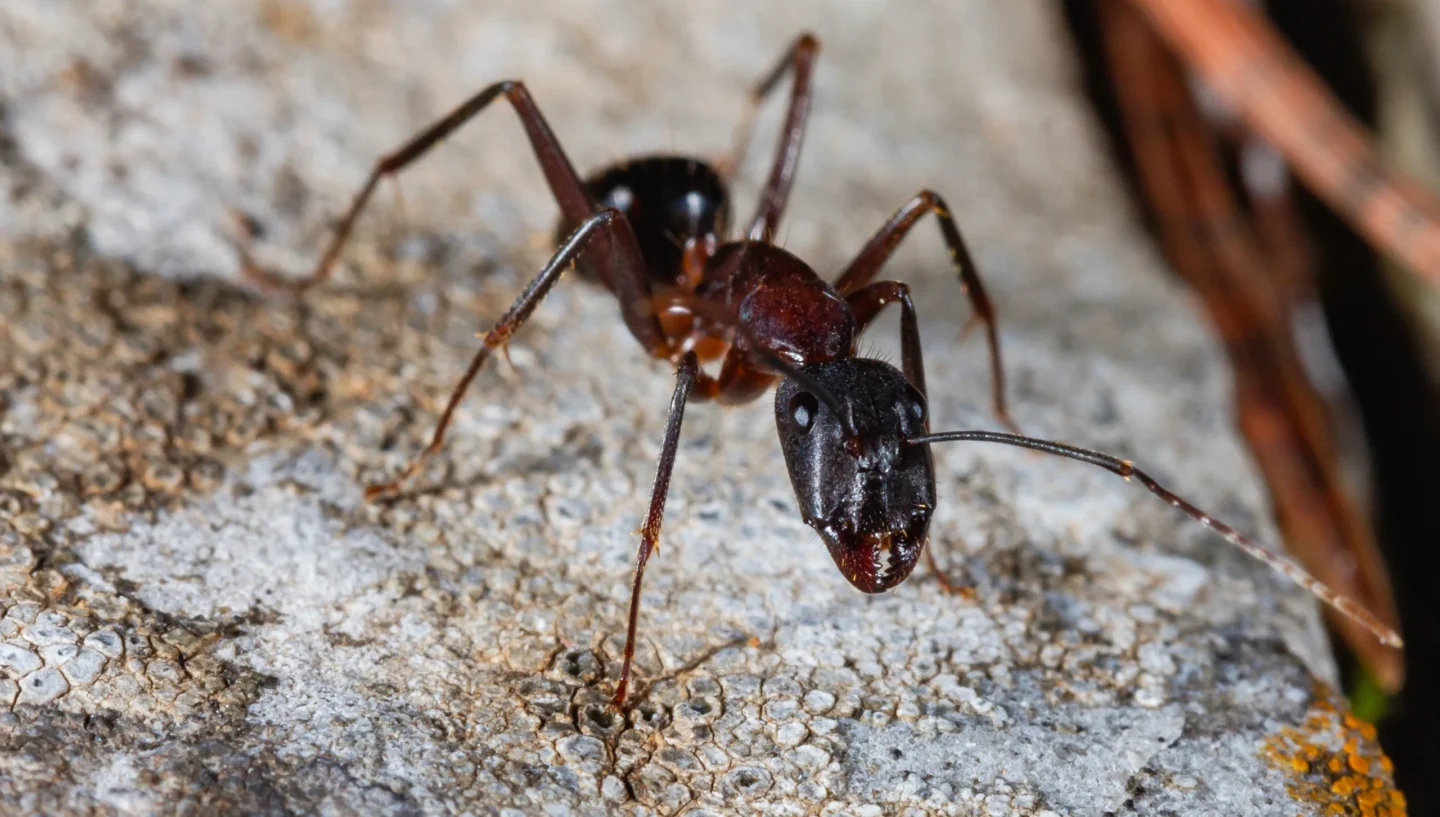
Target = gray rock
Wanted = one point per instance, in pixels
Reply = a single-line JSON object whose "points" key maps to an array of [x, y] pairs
{"points": [[180, 488], [57, 654], [84, 667], [42, 687], [18, 660], [105, 642], [45, 635]]}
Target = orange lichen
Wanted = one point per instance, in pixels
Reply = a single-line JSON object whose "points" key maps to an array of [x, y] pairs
{"points": [[1334, 763], [1345, 786]]}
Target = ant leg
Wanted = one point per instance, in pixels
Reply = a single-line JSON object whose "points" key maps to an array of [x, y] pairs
{"points": [[685, 377], [564, 183], [865, 304], [879, 249], [596, 226], [749, 369], [775, 194], [739, 382], [1127, 470], [948, 587]]}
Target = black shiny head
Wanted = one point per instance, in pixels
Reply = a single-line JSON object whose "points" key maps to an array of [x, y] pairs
{"points": [[869, 496]]}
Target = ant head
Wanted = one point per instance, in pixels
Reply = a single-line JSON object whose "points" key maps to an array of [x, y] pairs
{"points": [[867, 493]]}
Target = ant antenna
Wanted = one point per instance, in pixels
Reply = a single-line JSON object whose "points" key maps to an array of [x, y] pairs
{"points": [[1124, 468]]}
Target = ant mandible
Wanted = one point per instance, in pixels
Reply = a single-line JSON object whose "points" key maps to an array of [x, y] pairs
{"points": [[854, 431]]}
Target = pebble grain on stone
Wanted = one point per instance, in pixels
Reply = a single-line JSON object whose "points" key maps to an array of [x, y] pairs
{"points": [[199, 613]]}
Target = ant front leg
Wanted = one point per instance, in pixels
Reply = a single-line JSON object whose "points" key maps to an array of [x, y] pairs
{"points": [[608, 224], [650, 532], [776, 193], [879, 249], [865, 304]]}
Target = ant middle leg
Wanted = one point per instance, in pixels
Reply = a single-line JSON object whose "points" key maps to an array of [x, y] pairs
{"points": [[882, 245], [865, 304], [776, 193], [685, 377], [609, 225]]}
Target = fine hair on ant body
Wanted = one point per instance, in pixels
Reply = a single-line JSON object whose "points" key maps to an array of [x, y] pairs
{"points": [[854, 431]]}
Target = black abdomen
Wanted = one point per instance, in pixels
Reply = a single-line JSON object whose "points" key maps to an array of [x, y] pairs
{"points": [[667, 199]]}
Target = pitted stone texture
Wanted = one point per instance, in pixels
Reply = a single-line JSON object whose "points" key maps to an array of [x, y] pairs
{"points": [[78, 647], [181, 460]]}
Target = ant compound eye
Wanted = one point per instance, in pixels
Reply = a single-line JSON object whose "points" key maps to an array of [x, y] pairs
{"points": [[913, 406], [803, 408]]}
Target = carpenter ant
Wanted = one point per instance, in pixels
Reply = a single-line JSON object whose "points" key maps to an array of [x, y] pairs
{"points": [[854, 431]]}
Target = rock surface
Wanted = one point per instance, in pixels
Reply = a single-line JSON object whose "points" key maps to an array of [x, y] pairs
{"points": [[198, 612]]}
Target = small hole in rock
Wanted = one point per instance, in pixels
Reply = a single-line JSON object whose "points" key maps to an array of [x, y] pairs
{"points": [[896, 754]]}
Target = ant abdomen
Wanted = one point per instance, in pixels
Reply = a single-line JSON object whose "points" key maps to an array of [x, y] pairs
{"points": [[668, 200]]}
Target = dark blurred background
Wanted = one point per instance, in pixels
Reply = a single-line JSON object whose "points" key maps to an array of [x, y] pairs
{"points": [[1334, 345]]}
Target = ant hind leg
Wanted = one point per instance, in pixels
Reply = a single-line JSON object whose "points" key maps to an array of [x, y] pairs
{"points": [[565, 183], [776, 193]]}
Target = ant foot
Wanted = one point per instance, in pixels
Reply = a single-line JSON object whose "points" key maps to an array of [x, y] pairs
{"points": [[248, 230], [617, 701], [949, 588], [265, 279], [946, 586], [380, 490]]}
